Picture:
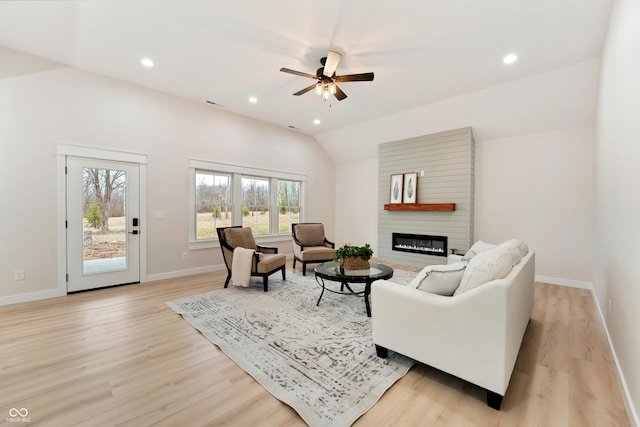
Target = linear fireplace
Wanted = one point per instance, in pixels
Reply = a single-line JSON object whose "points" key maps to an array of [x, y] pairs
{"points": [[419, 243]]}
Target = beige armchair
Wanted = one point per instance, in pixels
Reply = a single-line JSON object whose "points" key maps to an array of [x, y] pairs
{"points": [[262, 266], [310, 245]]}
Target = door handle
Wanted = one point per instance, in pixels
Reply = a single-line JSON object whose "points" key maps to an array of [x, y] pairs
{"points": [[134, 232]]}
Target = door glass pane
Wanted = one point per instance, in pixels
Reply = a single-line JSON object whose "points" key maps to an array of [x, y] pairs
{"points": [[104, 226]]}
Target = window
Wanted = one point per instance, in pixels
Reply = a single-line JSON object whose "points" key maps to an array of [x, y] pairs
{"points": [[288, 205], [224, 195], [213, 203], [255, 205]]}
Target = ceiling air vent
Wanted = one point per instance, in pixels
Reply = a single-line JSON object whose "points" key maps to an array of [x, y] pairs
{"points": [[293, 127], [215, 103]]}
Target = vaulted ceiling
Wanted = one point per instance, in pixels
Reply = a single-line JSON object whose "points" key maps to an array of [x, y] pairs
{"points": [[420, 51]]}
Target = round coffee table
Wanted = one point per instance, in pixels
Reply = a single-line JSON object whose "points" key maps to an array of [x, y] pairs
{"points": [[333, 272]]}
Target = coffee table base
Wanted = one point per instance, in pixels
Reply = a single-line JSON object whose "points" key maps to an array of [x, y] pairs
{"points": [[365, 293]]}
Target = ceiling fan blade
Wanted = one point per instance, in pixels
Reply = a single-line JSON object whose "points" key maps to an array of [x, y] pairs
{"points": [[298, 73], [305, 90], [340, 95], [333, 59], [362, 77]]}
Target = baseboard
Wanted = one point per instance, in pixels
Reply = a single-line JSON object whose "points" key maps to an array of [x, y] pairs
{"points": [[182, 273], [32, 296], [52, 293], [628, 402], [564, 282]]}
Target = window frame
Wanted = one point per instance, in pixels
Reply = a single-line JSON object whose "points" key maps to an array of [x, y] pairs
{"points": [[237, 172]]}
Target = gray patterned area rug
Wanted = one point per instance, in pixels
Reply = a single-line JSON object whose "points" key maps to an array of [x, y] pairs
{"points": [[320, 360]]}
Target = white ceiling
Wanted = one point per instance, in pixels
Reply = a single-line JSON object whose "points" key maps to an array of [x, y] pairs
{"points": [[421, 51]]}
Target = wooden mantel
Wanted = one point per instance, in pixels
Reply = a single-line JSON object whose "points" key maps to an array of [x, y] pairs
{"points": [[420, 207]]}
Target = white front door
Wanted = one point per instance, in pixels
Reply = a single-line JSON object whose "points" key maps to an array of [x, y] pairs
{"points": [[103, 223]]}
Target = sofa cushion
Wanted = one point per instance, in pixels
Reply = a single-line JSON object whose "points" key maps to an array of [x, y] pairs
{"points": [[442, 279], [489, 265], [310, 234], [318, 253], [517, 248], [270, 262], [476, 248], [240, 237]]}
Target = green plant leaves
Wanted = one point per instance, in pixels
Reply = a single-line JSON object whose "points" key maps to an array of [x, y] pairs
{"points": [[365, 252]]}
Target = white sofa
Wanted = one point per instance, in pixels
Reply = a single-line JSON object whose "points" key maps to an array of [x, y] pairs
{"points": [[474, 335]]}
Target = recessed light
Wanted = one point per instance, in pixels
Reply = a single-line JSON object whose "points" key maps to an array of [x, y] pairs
{"points": [[316, 122], [510, 59], [146, 62], [253, 99]]}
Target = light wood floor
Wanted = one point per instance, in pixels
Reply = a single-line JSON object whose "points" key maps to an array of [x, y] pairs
{"points": [[120, 356]]}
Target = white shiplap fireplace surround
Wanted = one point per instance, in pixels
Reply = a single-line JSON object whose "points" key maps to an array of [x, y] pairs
{"points": [[444, 163]]}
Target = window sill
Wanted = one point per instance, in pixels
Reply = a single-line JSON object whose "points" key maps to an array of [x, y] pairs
{"points": [[215, 243]]}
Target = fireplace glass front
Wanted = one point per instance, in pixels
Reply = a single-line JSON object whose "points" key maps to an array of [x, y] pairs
{"points": [[420, 243]]}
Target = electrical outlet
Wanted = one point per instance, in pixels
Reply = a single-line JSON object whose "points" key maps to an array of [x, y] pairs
{"points": [[18, 275], [185, 255]]}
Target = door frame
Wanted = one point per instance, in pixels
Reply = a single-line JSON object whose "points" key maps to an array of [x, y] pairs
{"points": [[64, 150]]}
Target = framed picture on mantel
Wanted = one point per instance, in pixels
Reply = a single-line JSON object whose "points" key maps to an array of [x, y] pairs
{"points": [[410, 193], [395, 194]]}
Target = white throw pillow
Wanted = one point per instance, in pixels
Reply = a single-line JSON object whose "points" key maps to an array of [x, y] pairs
{"points": [[441, 279], [517, 248], [476, 248], [488, 265]]}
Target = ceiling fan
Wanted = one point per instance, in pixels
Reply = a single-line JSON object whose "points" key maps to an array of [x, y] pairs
{"points": [[326, 78]]}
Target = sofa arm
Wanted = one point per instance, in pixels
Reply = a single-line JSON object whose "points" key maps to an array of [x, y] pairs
{"points": [[462, 335], [453, 258], [267, 249]]}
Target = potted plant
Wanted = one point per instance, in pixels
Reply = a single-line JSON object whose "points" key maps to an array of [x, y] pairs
{"points": [[354, 257]]}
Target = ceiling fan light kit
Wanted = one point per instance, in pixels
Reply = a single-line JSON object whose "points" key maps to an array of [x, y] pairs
{"points": [[326, 78]]}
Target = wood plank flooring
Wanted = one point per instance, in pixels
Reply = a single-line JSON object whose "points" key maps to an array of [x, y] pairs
{"points": [[122, 357]]}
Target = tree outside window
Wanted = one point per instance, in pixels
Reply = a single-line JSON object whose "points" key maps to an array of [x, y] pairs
{"points": [[213, 203], [288, 205], [255, 205]]}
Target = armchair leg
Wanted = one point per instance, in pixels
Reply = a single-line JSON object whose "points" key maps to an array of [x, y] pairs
{"points": [[226, 282], [294, 262], [265, 282], [494, 400], [382, 352], [284, 275], [304, 268]]}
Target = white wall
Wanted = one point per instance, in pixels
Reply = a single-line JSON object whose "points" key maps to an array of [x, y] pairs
{"points": [[616, 276], [356, 200], [535, 135], [539, 188], [64, 105]]}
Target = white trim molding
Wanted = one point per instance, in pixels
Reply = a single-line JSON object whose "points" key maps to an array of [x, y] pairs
{"points": [[32, 296], [628, 401], [100, 153], [564, 282]]}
